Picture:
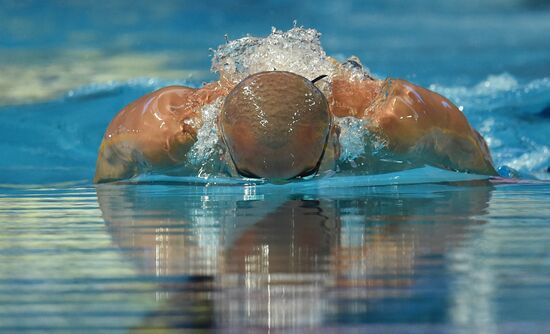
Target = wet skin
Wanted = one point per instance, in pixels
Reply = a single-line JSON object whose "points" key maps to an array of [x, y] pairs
{"points": [[414, 122], [156, 132]]}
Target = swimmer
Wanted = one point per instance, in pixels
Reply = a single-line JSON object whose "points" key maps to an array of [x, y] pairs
{"points": [[279, 125]]}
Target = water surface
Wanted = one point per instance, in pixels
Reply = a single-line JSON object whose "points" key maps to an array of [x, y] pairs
{"points": [[468, 257], [418, 252]]}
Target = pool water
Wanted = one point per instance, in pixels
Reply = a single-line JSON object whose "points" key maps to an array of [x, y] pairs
{"points": [[420, 251], [430, 258]]}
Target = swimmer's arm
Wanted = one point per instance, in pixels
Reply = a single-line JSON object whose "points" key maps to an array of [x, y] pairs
{"points": [[109, 171], [115, 161], [128, 155], [413, 123], [148, 134], [428, 128], [164, 127]]}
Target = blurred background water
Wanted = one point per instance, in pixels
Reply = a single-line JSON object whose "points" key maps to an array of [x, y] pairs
{"points": [[446, 257]]}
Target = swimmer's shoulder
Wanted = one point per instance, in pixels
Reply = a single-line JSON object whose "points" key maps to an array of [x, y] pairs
{"points": [[130, 118], [173, 94], [402, 87], [143, 133]]}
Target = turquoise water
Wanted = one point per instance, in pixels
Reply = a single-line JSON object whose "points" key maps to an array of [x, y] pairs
{"points": [[421, 251]]}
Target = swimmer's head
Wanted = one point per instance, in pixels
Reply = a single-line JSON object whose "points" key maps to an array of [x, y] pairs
{"points": [[276, 125]]}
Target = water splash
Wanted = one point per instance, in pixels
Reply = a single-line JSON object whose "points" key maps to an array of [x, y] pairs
{"points": [[297, 50], [352, 137], [207, 136]]}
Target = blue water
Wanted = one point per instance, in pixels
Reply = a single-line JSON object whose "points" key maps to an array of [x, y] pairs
{"points": [[422, 251]]}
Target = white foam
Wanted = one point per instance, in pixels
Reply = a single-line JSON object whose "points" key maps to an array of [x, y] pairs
{"points": [[207, 142], [531, 161], [491, 85], [496, 90], [352, 137], [496, 84], [297, 50]]}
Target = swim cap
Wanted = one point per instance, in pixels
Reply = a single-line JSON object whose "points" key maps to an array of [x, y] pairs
{"points": [[275, 125]]}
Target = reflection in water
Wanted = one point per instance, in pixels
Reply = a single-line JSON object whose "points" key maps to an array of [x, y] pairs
{"points": [[252, 259]]}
